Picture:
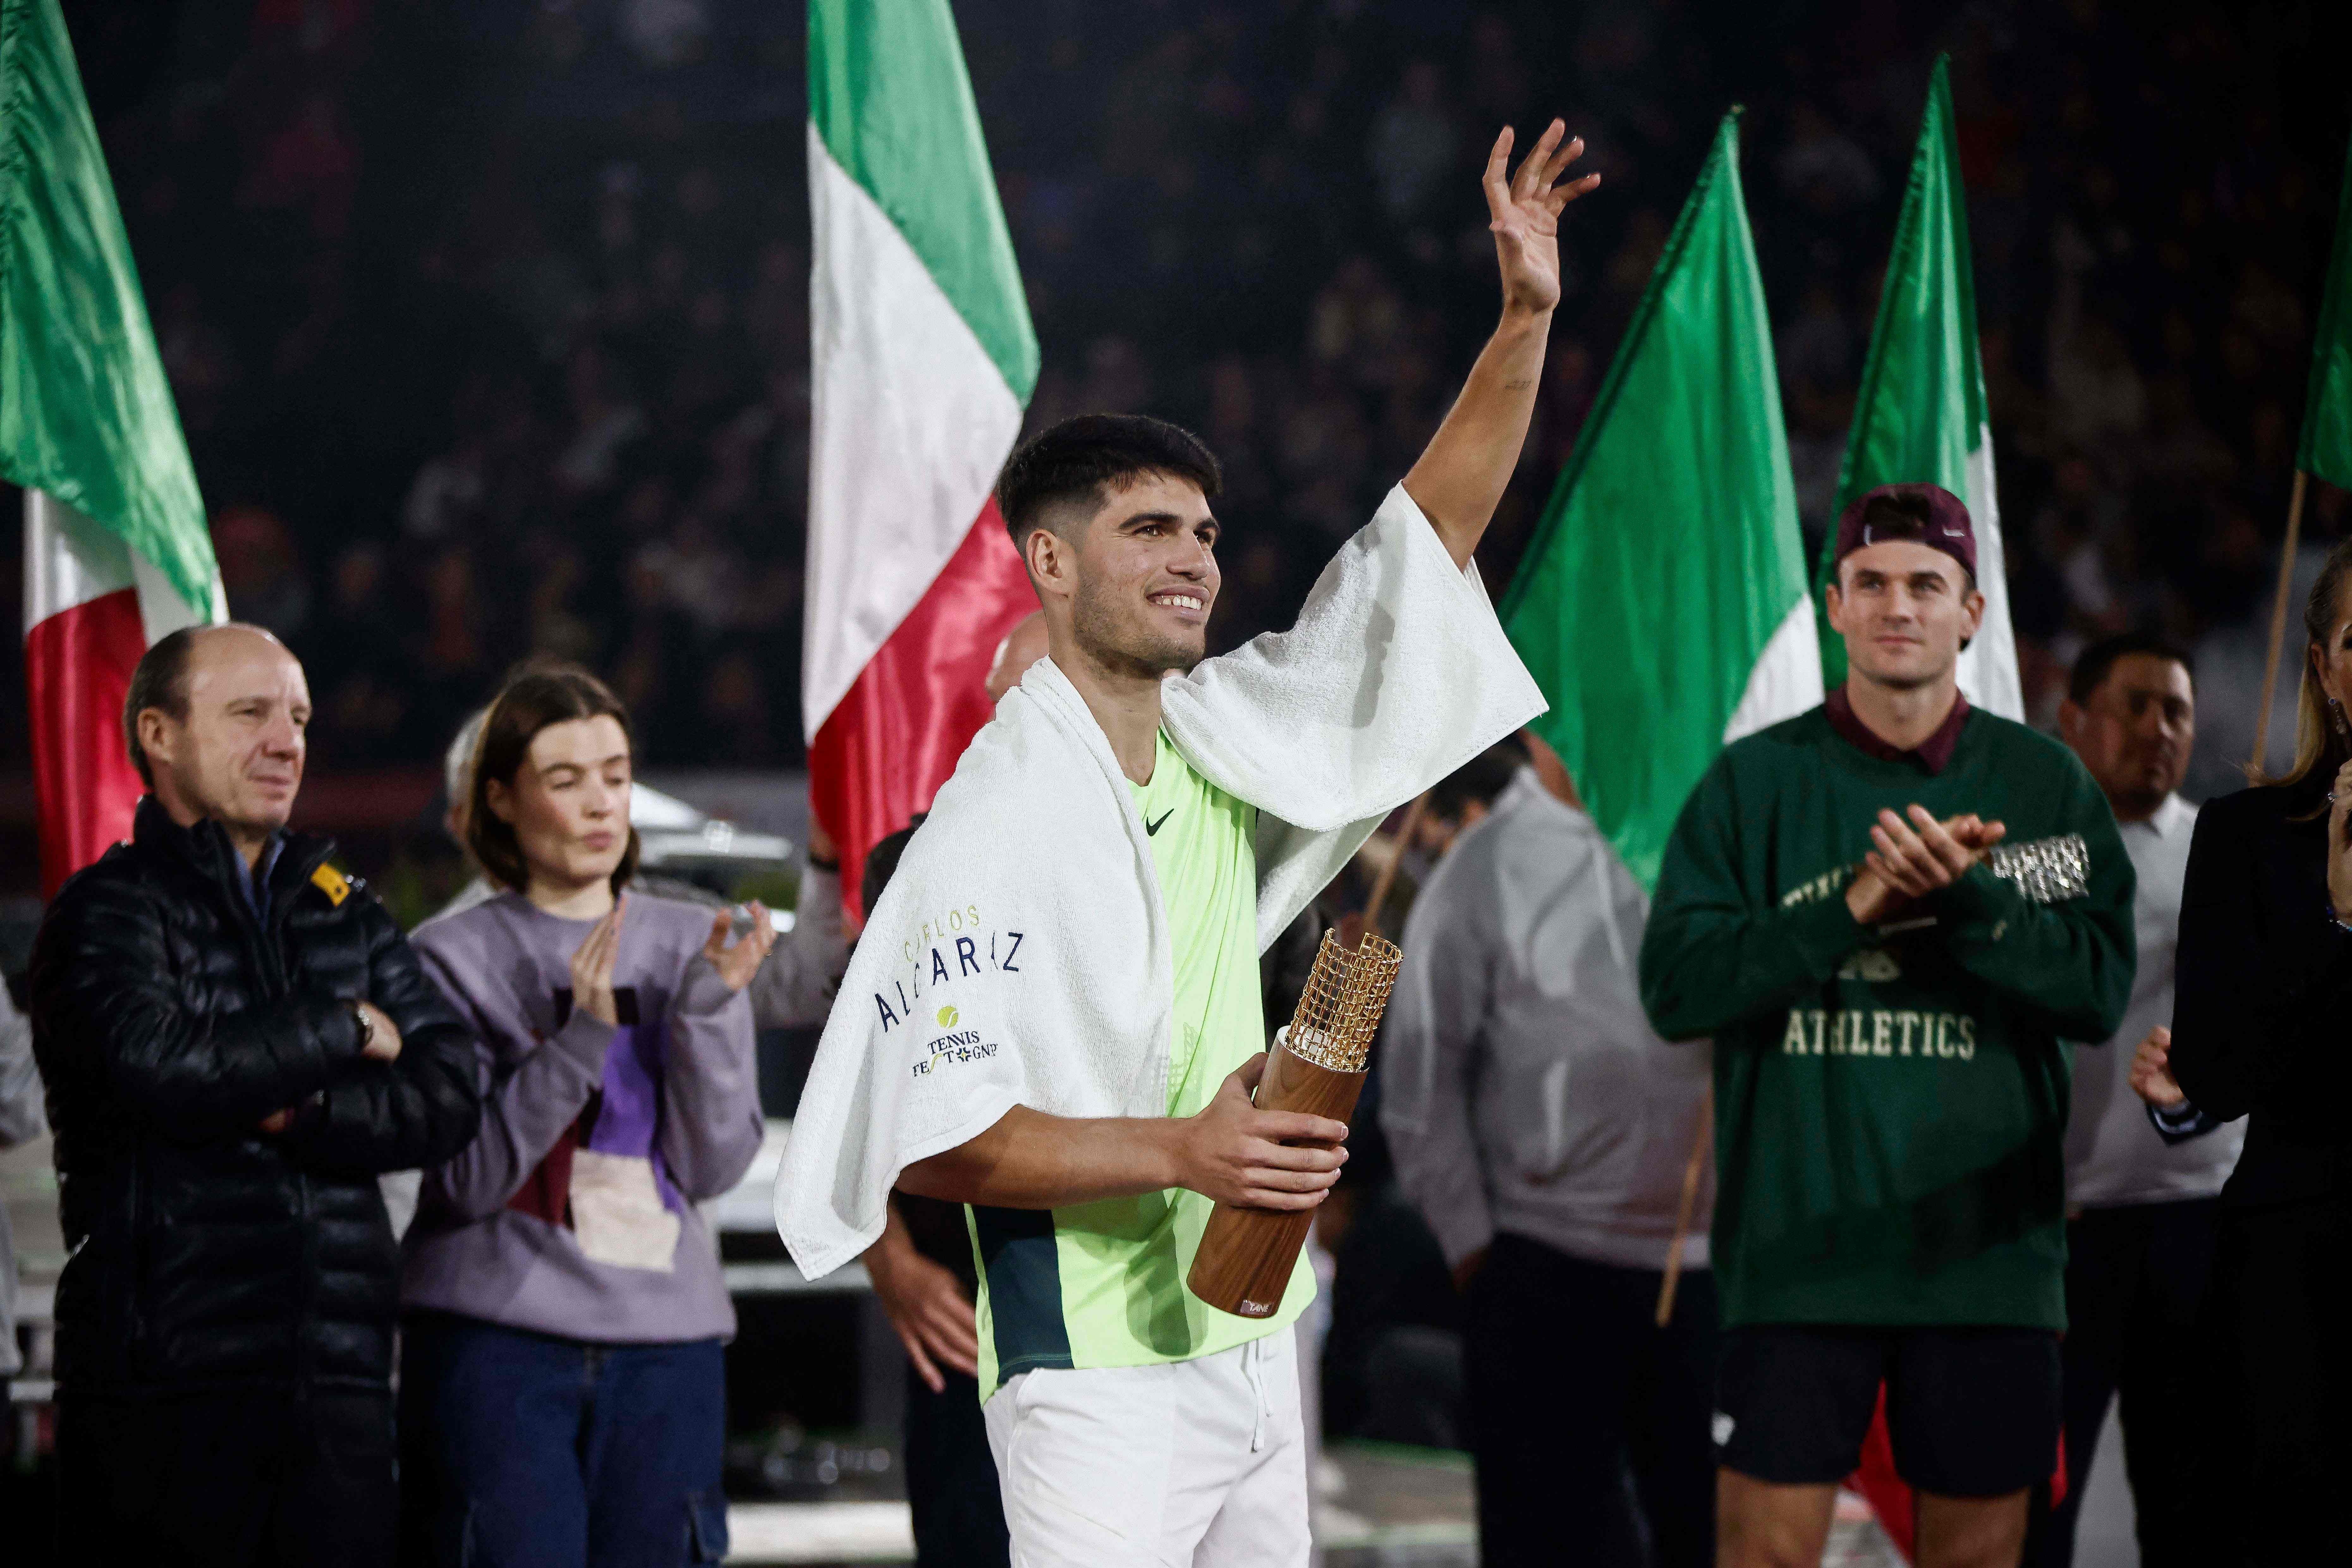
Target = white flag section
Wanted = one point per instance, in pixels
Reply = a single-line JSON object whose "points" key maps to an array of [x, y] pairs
{"points": [[910, 420], [70, 560], [922, 360], [1786, 678], [1987, 669]]}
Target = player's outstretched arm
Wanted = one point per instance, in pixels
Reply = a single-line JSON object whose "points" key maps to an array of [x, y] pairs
{"points": [[1461, 475], [1232, 1152]]}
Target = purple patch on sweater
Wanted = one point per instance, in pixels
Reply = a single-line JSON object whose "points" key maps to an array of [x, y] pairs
{"points": [[628, 1116]]}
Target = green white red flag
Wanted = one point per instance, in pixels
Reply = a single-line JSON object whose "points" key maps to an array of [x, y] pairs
{"points": [[1920, 415], [922, 360], [116, 550], [1662, 607]]}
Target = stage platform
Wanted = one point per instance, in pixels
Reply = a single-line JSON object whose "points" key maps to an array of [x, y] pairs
{"points": [[1381, 1507]]}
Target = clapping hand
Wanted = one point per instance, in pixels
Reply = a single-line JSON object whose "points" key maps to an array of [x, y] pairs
{"points": [[2151, 1071], [1913, 858], [1524, 213], [592, 966], [737, 962]]}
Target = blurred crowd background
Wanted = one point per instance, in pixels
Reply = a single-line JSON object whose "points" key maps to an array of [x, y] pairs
{"points": [[487, 321], [488, 318]]}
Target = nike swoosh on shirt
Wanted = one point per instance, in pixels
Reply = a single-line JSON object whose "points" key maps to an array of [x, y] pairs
{"points": [[1154, 828]]}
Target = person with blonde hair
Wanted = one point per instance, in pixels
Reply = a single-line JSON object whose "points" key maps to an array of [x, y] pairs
{"points": [[2265, 990]]}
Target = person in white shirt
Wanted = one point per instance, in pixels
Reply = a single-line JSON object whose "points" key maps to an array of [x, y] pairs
{"points": [[2142, 1199], [1542, 1128]]}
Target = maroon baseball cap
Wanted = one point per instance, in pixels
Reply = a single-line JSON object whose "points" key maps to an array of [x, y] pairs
{"points": [[1921, 514]]}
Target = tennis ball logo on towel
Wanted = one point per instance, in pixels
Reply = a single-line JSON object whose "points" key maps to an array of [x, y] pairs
{"points": [[948, 1017]]}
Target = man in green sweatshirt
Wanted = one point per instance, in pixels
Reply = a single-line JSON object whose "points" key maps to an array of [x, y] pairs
{"points": [[1891, 913]]}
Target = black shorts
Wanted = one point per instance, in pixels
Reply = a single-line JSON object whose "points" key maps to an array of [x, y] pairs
{"points": [[1973, 1412]]}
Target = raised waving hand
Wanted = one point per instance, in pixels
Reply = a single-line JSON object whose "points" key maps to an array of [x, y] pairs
{"points": [[1524, 209]]}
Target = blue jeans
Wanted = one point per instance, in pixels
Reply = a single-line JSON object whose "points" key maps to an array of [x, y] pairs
{"points": [[522, 1451]]}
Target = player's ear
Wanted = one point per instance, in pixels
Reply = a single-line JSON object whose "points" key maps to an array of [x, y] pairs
{"points": [[1053, 564]]}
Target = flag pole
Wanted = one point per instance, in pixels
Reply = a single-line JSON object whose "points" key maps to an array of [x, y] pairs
{"points": [[1388, 873], [1691, 1173], [2278, 624]]}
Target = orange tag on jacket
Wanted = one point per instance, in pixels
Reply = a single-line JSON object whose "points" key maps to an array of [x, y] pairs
{"points": [[333, 883]]}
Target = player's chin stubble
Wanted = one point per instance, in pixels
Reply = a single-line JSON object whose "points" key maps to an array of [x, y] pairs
{"points": [[1126, 644]]}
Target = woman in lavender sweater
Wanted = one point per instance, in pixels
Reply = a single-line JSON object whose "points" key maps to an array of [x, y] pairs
{"points": [[562, 1397]]}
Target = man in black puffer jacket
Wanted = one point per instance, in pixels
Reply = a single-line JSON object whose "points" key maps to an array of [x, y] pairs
{"points": [[237, 1039]]}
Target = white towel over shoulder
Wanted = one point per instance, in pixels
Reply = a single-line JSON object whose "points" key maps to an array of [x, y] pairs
{"points": [[1021, 955]]}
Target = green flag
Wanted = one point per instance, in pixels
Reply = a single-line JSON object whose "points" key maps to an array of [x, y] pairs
{"points": [[2325, 448], [86, 414], [1662, 605], [1920, 415]]}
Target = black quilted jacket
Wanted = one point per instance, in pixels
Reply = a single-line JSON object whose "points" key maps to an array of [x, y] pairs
{"points": [[169, 1023]]}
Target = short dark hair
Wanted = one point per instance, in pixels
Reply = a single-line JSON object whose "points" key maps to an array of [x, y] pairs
{"points": [[160, 680], [882, 864], [1480, 779], [1080, 459], [2094, 663], [530, 703]]}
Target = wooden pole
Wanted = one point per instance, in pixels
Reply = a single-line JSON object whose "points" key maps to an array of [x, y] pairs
{"points": [[1381, 884], [2278, 627], [1691, 1173]]}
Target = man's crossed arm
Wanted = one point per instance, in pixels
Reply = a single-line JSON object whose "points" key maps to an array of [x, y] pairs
{"points": [[1232, 1152]]}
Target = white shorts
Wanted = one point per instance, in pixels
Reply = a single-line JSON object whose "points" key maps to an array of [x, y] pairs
{"points": [[1197, 1462]]}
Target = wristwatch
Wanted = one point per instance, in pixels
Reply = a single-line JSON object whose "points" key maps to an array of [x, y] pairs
{"points": [[366, 1024]]}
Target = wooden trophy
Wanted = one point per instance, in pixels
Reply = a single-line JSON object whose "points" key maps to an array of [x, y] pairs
{"points": [[1316, 1066]]}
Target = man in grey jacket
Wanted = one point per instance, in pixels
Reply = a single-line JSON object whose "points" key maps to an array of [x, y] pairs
{"points": [[1542, 1129]]}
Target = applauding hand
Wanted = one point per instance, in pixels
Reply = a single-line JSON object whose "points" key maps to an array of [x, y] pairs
{"points": [[1914, 859], [592, 966], [737, 962]]}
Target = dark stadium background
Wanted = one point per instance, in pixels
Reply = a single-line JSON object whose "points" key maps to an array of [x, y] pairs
{"points": [[487, 320]]}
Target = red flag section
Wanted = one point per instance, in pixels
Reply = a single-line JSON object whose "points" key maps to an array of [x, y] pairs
{"points": [[77, 666], [1893, 1501], [1885, 1491], [893, 739]]}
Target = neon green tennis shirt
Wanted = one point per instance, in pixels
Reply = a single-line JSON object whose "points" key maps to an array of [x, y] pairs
{"points": [[1102, 1284]]}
